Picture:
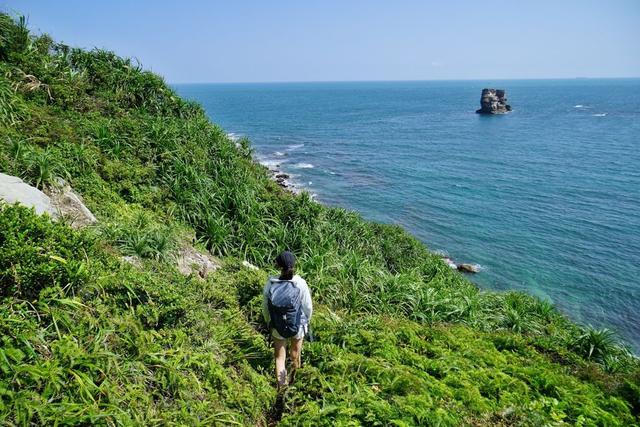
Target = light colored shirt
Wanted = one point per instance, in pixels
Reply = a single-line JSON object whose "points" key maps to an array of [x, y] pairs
{"points": [[300, 283]]}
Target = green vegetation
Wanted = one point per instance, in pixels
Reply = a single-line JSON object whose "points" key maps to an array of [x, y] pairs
{"points": [[90, 339]]}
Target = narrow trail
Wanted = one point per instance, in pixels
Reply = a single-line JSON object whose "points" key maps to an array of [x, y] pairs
{"points": [[275, 413]]}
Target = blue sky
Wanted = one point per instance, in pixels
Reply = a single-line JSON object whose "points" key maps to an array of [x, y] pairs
{"points": [[247, 41]]}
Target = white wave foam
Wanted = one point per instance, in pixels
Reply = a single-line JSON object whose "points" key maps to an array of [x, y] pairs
{"points": [[294, 147], [233, 136], [450, 263], [478, 267], [279, 153], [303, 166], [600, 115], [446, 258], [578, 106], [271, 163]]}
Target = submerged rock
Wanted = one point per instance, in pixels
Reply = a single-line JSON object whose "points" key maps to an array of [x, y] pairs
{"points": [[493, 101]]}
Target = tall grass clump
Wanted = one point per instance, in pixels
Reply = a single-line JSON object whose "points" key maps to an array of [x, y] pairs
{"points": [[137, 234], [89, 340]]}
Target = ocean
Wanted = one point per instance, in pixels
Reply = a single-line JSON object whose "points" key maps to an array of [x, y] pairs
{"points": [[545, 199]]}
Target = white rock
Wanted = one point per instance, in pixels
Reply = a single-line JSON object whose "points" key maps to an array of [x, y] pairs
{"points": [[249, 265], [61, 201], [133, 260], [69, 205], [13, 189], [190, 260]]}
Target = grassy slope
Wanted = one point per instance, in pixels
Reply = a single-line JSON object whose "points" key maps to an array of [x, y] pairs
{"points": [[87, 338]]}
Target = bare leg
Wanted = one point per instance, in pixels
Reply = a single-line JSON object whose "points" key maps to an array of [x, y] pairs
{"points": [[295, 351], [280, 354]]}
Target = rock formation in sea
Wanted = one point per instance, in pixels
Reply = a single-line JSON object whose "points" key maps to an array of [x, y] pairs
{"points": [[493, 101]]}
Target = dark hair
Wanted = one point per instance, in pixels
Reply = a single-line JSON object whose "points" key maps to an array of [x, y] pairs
{"points": [[287, 274], [286, 261]]}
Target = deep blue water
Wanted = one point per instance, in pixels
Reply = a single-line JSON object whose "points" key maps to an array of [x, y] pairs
{"points": [[545, 199]]}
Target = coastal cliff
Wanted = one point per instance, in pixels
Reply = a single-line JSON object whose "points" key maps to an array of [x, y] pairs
{"points": [[102, 325]]}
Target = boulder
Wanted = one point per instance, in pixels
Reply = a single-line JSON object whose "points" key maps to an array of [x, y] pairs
{"points": [[14, 190], [190, 260], [493, 101], [469, 268], [69, 205], [61, 202]]}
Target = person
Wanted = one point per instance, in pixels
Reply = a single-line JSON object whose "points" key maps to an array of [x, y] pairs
{"points": [[288, 321]]}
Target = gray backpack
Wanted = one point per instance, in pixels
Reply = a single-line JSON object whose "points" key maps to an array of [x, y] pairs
{"points": [[285, 308]]}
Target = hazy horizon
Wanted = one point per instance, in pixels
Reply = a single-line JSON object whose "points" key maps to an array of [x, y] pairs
{"points": [[331, 41]]}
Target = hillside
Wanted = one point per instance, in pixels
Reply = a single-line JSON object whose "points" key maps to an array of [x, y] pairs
{"points": [[89, 338]]}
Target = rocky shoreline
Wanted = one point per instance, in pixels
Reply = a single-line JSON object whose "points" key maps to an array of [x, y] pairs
{"points": [[282, 178]]}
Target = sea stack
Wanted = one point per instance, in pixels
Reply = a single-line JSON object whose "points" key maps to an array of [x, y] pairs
{"points": [[493, 101]]}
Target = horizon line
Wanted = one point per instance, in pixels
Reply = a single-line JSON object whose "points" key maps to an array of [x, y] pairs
{"points": [[402, 80]]}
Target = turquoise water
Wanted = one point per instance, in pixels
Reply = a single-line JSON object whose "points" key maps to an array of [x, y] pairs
{"points": [[546, 199]]}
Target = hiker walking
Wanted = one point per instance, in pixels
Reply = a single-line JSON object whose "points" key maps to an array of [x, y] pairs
{"points": [[287, 310]]}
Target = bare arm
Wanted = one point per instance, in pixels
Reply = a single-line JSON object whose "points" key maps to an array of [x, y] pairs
{"points": [[307, 304], [265, 305]]}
